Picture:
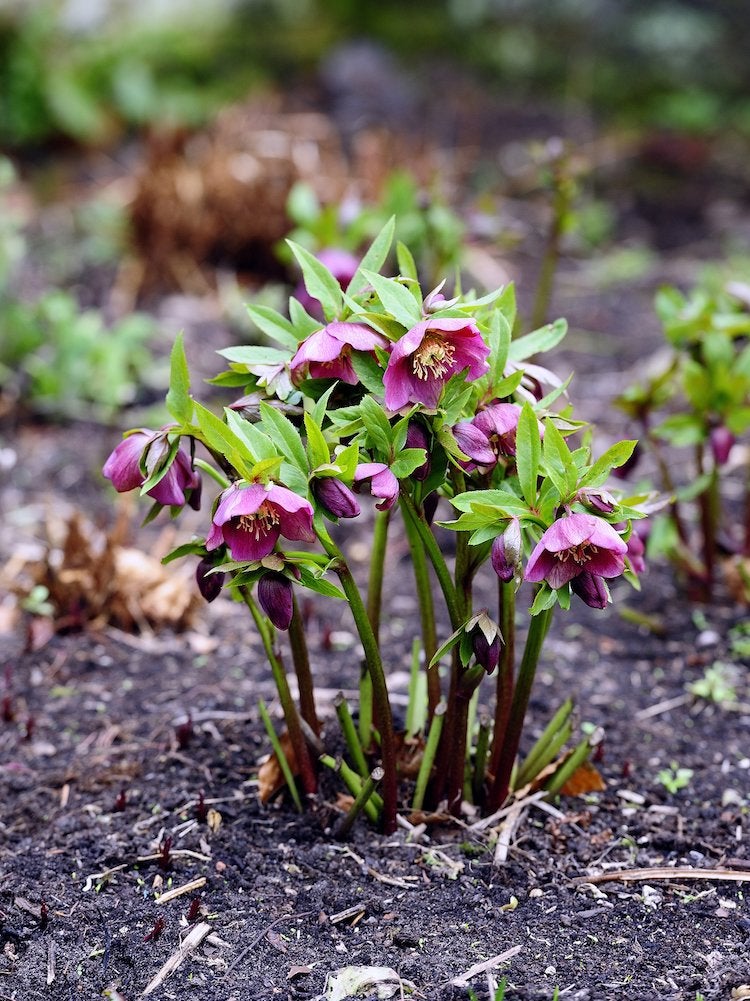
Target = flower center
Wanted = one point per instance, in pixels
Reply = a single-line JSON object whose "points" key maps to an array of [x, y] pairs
{"points": [[433, 358], [261, 522], [579, 554]]}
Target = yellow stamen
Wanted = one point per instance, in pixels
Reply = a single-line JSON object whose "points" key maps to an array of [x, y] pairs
{"points": [[433, 357], [261, 522]]}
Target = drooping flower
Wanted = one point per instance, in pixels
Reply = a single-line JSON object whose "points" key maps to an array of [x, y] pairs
{"points": [[275, 598], [250, 519], [326, 353], [722, 440], [428, 355], [574, 544], [505, 554], [209, 584], [489, 435], [636, 553], [342, 266], [334, 497], [591, 589], [486, 640], [417, 437], [180, 485], [383, 483]]}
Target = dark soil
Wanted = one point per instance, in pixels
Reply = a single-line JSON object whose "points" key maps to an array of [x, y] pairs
{"points": [[95, 779]]}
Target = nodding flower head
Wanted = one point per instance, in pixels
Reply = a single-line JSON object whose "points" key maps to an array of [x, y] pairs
{"points": [[428, 355], [276, 599], [326, 353], [505, 554], [249, 520], [489, 435], [574, 544], [180, 485], [334, 497], [383, 483]]}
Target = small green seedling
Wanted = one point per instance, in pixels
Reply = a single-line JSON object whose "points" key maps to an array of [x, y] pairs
{"points": [[675, 778]]}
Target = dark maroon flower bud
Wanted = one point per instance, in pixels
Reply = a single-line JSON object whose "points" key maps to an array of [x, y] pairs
{"points": [[591, 589], [275, 598], [600, 501], [721, 440], [334, 497], [506, 552], [429, 506], [487, 654], [416, 437], [209, 584]]}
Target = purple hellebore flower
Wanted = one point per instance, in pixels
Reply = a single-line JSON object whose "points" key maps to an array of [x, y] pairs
{"points": [[486, 641], [489, 435], [342, 266], [180, 485], [383, 483], [275, 598], [250, 519], [334, 497], [428, 355], [574, 544], [591, 589], [326, 352], [636, 553]]}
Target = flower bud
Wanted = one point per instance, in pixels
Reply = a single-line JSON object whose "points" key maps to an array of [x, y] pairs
{"points": [[600, 501], [275, 598], [506, 552], [416, 437], [429, 506], [334, 497], [721, 440], [487, 654], [209, 584], [591, 589]]}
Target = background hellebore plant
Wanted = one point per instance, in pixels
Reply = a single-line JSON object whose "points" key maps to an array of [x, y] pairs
{"points": [[417, 399]]}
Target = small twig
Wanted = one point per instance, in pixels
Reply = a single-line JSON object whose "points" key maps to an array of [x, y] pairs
{"points": [[356, 911], [664, 872], [177, 891], [258, 938], [663, 707], [188, 945], [488, 964]]}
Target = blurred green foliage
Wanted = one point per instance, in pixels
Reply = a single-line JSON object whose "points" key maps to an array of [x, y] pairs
{"points": [[57, 360], [673, 63]]}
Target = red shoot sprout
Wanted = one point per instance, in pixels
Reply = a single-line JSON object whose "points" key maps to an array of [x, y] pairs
{"points": [[201, 809], [165, 853], [194, 909], [184, 733], [121, 801], [43, 915], [156, 931]]}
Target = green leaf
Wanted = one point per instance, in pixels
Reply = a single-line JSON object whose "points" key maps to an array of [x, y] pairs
{"points": [[615, 456], [318, 280], [369, 373], [259, 444], [187, 549], [499, 340], [347, 460], [543, 339], [503, 501], [160, 471], [375, 257], [317, 446], [406, 264], [281, 430], [255, 355], [274, 325], [303, 323], [377, 425], [222, 440], [528, 454], [319, 410], [320, 585], [179, 402], [396, 299], [558, 461], [682, 430], [447, 646], [407, 461], [545, 598]]}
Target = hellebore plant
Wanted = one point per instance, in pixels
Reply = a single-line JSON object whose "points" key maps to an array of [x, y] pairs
{"points": [[699, 401], [417, 399]]}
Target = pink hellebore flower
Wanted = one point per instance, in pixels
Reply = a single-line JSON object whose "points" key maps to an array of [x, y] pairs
{"points": [[574, 544], [383, 483], [250, 519], [342, 266], [428, 355], [489, 435], [326, 352], [180, 485]]}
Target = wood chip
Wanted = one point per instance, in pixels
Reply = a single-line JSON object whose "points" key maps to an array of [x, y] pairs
{"points": [[488, 964], [177, 891], [189, 944], [664, 872]]}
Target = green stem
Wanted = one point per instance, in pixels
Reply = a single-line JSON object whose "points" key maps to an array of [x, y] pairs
{"points": [[436, 558], [350, 734], [301, 661], [377, 568], [428, 758], [296, 736], [456, 759], [286, 771], [480, 757], [426, 607], [361, 800], [375, 668], [504, 691], [537, 631]]}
